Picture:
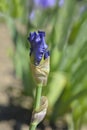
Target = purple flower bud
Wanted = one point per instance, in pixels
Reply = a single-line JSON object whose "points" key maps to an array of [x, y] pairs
{"points": [[38, 46]]}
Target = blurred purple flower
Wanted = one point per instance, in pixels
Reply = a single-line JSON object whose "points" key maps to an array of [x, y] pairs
{"points": [[38, 46], [32, 15], [60, 3], [83, 9], [45, 3]]}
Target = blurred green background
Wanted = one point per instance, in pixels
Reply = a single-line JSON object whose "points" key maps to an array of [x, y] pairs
{"points": [[65, 24]]}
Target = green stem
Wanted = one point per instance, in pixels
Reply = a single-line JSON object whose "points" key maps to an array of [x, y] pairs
{"points": [[36, 104], [38, 97], [33, 126]]}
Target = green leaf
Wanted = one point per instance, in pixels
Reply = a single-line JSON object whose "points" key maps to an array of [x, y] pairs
{"points": [[76, 28]]}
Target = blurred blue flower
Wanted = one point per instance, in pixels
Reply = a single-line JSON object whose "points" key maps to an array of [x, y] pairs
{"points": [[83, 9], [32, 16], [38, 46], [45, 3], [60, 3]]}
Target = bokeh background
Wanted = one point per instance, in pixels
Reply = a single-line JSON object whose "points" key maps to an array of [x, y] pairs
{"points": [[65, 24]]}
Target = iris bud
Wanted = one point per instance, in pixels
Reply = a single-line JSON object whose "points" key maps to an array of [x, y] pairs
{"points": [[39, 57]]}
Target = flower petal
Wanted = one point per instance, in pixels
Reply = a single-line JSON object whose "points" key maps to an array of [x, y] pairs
{"points": [[38, 46], [46, 54]]}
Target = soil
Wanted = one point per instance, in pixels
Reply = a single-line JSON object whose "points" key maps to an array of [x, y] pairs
{"points": [[13, 116], [10, 115]]}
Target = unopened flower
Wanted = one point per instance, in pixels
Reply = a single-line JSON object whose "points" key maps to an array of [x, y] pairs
{"points": [[39, 56]]}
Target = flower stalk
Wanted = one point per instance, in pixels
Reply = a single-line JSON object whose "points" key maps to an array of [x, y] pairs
{"points": [[39, 63], [36, 105], [38, 97]]}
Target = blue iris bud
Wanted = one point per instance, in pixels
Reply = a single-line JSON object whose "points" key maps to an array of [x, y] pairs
{"points": [[39, 48], [39, 55]]}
